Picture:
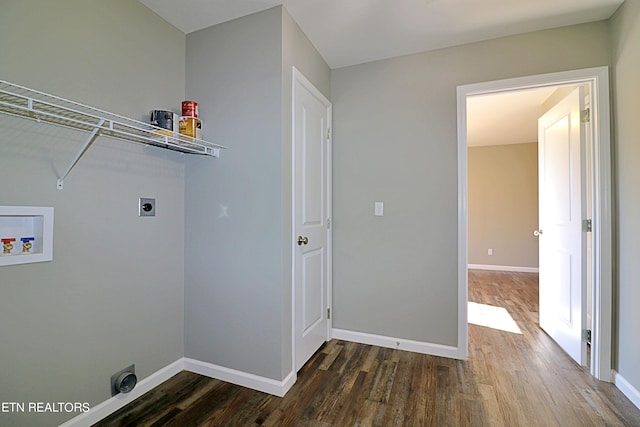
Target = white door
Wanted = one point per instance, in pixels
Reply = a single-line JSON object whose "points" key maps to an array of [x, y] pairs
{"points": [[562, 242], [311, 117]]}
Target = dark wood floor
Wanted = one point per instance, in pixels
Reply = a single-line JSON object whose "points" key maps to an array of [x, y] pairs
{"points": [[509, 380]]}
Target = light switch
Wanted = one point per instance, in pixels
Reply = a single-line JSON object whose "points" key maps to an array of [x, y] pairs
{"points": [[378, 209]]}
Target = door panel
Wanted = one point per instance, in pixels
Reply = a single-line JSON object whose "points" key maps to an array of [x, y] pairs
{"points": [[313, 151], [312, 291], [563, 296], [562, 242], [310, 202], [557, 158]]}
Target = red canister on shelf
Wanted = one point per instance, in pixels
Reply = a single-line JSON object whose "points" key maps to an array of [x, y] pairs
{"points": [[190, 109]]}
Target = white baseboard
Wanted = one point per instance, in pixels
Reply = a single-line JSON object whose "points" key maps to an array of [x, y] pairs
{"points": [[627, 389], [255, 382], [399, 343], [109, 406], [504, 268]]}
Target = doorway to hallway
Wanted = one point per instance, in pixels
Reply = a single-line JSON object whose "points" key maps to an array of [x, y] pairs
{"points": [[597, 81]]}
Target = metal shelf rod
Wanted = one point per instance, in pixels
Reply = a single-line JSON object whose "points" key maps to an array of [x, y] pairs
{"points": [[85, 147]]}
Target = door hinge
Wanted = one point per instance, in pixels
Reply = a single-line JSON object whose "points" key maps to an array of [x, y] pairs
{"points": [[328, 313], [586, 335], [588, 225], [585, 115], [328, 133], [328, 223]]}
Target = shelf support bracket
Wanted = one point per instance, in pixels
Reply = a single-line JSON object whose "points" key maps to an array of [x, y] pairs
{"points": [[92, 137]]}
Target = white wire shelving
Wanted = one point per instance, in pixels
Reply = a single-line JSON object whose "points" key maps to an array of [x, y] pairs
{"points": [[28, 103]]}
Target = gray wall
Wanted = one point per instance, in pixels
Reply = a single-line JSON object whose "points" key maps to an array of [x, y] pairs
{"points": [[113, 294], [395, 141], [233, 230], [503, 204], [626, 68], [238, 224]]}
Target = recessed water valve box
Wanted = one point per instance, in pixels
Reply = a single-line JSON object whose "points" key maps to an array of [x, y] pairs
{"points": [[26, 234], [147, 207]]}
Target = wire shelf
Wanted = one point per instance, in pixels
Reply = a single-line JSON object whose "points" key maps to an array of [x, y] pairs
{"points": [[28, 103], [20, 101]]}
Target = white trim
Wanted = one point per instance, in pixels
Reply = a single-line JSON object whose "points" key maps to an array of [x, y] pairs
{"points": [[255, 382], [503, 268], [109, 406], [632, 393], [297, 76], [330, 218], [602, 228], [463, 226], [294, 73], [598, 80], [398, 343]]}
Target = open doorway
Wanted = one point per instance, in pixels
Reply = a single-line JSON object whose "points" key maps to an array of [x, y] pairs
{"points": [[502, 166], [596, 80]]}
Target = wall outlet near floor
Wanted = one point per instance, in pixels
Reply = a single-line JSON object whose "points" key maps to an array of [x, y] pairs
{"points": [[124, 381], [489, 252]]}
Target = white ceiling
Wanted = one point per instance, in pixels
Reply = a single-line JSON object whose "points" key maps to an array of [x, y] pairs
{"points": [[505, 118], [348, 32]]}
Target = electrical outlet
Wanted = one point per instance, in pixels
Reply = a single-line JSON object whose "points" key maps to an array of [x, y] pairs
{"points": [[146, 207], [489, 252]]}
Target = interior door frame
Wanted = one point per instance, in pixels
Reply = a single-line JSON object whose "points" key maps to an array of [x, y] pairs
{"points": [[597, 79], [298, 77]]}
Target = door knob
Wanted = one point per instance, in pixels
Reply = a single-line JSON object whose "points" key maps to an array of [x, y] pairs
{"points": [[537, 232], [302, 240]]}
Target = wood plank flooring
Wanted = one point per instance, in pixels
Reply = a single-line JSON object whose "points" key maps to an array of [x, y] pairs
{"points": [[509, 380]]}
